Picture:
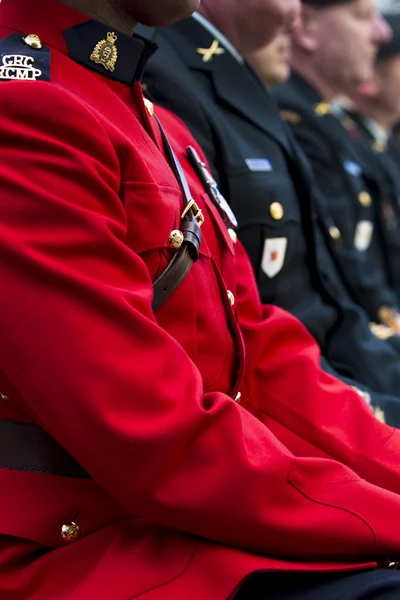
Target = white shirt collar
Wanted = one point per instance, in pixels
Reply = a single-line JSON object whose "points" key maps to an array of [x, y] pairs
{"points": [[377, 132], [218, 36]]}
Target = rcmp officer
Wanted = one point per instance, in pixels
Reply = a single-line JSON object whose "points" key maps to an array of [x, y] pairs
{"points": [[265, 177], [135, 355], [333, 49], [375, 111]]}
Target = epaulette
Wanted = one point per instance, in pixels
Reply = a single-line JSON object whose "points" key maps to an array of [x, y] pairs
{"points": [[290, 116], [24, 58]]}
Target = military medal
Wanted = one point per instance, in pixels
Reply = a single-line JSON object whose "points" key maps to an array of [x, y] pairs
{"points": [[105, 52]]}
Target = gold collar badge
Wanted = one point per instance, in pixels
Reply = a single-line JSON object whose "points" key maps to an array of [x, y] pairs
{"points": [[209, 53], [105, 52]]}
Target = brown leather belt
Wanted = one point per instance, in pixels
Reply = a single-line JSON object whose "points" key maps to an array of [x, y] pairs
{"points": [[27, 447]]}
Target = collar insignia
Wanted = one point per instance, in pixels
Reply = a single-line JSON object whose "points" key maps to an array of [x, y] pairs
{"points": [[105, 52], [209, 53], [323, 108]]}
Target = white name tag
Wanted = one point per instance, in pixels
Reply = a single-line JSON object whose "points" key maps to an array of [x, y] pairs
{"points": [[258, 164], [363, 235]]}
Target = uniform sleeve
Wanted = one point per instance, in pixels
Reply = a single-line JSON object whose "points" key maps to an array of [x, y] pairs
{"points": [[306, 402], [81, 346]]}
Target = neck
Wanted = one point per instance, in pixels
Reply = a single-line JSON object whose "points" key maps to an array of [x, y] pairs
{"points": [[305, 69], [216, 14], [101, 10]]}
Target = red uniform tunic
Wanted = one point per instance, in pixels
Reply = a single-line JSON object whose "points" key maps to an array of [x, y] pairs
{"points": [[191, 491]]}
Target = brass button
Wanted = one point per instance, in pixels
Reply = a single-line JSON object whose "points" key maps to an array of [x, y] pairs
{"points": [[233, 235], [364, 198], [238, 397], [3, 396], [149, 107], [175, 239], [231, 297], [276, 210], [33, 41], [334, 232], [70, 532], [393, 564]]}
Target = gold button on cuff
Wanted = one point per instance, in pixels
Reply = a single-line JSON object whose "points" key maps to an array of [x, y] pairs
{"points": [[3, 396], [231, 297], [70, 532], [33, 41], [149, 107], [238, 397], [276, 210], [233, 235], [175, 239], [365, 199]]}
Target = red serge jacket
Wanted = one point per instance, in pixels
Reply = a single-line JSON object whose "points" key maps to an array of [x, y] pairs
{"points": [[191, 491]]}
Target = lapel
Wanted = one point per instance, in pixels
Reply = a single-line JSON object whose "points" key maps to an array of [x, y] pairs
{"points": [[235, 83]]}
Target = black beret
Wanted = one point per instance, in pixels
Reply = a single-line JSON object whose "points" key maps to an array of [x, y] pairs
{"points": [[393, 46]]}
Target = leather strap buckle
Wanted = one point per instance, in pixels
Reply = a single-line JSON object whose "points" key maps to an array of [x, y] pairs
{"points": [[197, 212]]}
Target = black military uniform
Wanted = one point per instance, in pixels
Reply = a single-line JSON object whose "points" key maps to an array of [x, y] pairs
{"points": [[384, 155], [349, 186], [264, 176]]}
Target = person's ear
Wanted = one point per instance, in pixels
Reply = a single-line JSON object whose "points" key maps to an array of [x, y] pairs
{"points": [[305, 29]]}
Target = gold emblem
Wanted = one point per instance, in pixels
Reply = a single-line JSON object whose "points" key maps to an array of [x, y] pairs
{"points": [[277, 211], [105, 52], [33, 41], [209, 53], [290, 116], [379, 146], [364, 198], [322, 109]]}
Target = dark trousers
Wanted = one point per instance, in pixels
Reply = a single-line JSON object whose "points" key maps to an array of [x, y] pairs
{"points": [[367, 585]]}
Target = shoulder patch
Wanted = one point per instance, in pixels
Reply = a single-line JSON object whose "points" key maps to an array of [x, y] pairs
{"points": [[24, 60], [290, 116]]}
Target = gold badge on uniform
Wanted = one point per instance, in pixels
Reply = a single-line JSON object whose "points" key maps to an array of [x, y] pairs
{"points": [[209, 53], [290, 116], [105, 52], [322, 109]]}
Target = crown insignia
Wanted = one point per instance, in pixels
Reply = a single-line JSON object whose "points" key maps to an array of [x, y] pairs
{"points": [[105, 52]]}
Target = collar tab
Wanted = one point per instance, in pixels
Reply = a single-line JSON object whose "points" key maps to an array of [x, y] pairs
{"points": [[113, 54]]}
